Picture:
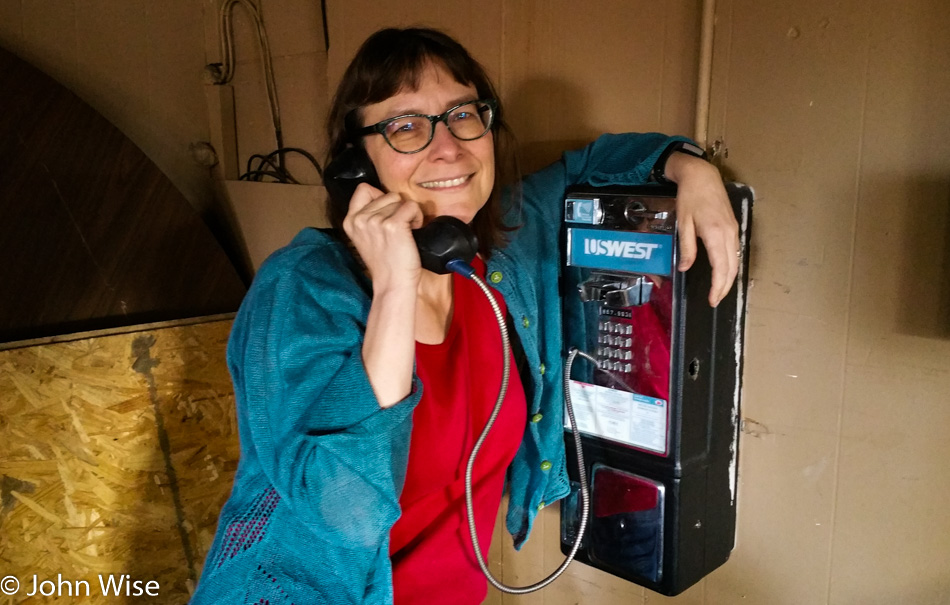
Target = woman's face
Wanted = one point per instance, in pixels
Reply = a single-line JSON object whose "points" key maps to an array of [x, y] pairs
{"points": [[449, 177]]}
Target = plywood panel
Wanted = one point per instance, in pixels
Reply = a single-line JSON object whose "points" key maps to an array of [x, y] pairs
{"points": [[573, 55], [11, 25], [175, 93], [792, 124], [787, 460], [116, 455], [103, 238], [115, 82], [793, 130], [571, 75], [903, 247], [681, 40]]}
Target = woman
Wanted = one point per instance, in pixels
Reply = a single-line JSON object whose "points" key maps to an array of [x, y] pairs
{"points": [[362, 380]]}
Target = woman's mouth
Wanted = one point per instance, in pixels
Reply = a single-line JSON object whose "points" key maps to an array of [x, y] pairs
{"points": [[446, 184]]}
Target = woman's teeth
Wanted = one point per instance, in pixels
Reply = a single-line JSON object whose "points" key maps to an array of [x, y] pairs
{"points": [[444, 184]]}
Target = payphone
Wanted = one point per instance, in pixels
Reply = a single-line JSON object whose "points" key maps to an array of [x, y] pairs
{"points": [[656, 395]]}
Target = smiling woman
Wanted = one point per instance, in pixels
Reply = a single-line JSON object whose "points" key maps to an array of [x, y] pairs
{"points": [[450, 170], [362, 380]]}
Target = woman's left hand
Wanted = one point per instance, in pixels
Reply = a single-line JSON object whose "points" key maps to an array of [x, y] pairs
{"points": [[703, 209]]}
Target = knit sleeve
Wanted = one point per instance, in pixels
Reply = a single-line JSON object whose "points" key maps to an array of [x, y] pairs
{"points": [[612, 159], [336, 458]]}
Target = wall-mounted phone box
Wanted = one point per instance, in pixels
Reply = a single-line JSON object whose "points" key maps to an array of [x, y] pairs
{"points": [[659, 411]]}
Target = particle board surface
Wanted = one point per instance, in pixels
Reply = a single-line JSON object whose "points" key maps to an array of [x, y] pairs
{"points": [[116, 455]]}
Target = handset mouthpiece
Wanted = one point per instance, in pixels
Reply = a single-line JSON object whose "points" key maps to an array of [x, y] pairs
{"points": [[444, 241]]}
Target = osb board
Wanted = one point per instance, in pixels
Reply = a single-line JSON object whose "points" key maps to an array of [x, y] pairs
{"points": [[116, 455]]}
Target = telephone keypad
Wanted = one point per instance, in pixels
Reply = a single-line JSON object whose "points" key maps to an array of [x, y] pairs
{"points": [[616, 353]]}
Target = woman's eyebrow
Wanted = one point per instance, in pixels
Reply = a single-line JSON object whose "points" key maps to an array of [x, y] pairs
{"points": [[402, 111]]}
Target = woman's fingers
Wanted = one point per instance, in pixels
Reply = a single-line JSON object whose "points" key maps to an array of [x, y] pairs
{"points": [[366, 199], [704, 211], [722, 247], [723, 257], [687, 239], [363, 195], [380, 227]]}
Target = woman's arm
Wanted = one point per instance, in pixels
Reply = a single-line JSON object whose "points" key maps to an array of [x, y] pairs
{"points": [[703, 209], [380, 227], [628, 159], [308, 411]]}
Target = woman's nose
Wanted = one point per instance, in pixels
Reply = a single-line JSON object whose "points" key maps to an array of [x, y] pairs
{"points": [[444, 145]]}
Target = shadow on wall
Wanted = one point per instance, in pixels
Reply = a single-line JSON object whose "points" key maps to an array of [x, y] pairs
{"points": [[923, 219], [193, 453]]}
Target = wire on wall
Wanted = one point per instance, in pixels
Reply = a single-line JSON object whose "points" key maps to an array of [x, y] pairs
{"points": [[223, 73], [267, 167]]}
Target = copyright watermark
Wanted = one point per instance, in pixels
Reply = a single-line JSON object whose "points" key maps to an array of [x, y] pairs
{"points": [[9, 585], [107, 585]]}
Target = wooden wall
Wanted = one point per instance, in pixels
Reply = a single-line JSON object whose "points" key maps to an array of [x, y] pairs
{"points": [[836, 113]]}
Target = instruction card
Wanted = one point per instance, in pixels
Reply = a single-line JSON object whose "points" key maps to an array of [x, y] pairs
{"points": [[629, 418]]}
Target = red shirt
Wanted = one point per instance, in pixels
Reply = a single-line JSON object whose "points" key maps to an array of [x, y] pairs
{"points": [[651, 337], [431, 549]]}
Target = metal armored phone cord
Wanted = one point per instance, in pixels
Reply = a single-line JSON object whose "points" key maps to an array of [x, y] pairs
{"points": [[467, 271]]}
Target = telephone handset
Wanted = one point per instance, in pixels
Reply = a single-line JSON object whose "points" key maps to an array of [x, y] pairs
{"points": [[443, 239]]}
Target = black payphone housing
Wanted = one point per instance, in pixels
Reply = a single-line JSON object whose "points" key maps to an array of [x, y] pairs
{"points": [[659, 413]]}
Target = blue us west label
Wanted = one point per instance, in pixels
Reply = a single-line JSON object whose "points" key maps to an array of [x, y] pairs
{"points": [[621, 251]]}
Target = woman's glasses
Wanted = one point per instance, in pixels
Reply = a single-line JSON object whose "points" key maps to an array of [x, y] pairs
{"points": [[412, 133]]}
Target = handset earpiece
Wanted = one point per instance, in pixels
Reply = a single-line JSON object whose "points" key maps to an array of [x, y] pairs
{"points": [[342, 176]]}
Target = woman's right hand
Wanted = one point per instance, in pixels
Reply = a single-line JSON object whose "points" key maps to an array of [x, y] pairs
{"points": [[380, 226]]}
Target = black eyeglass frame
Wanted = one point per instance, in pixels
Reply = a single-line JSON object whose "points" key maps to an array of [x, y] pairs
{"points": [[380, 127]]}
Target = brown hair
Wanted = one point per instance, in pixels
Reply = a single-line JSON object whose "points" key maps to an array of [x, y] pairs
{"points": [[393, 59]]}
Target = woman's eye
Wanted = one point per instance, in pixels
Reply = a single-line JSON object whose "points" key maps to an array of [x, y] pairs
{"points": [[401, 127]]}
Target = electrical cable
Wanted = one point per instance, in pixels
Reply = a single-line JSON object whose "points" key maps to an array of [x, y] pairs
{"points": [[257, 176], [278, 173], [466, 271], [225, 73]]}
